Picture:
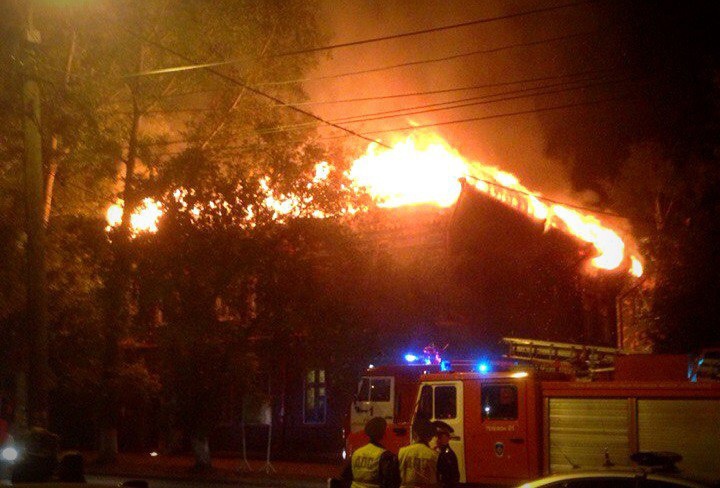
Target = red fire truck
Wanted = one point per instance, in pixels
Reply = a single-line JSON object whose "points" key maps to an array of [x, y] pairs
{"points": [[388, 392], [526, 421]]}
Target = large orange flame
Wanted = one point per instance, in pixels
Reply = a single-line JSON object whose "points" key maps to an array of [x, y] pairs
{"points": [[143, 219], [427, 171]]}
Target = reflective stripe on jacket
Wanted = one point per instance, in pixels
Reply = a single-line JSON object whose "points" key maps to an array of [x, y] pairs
{"points": [[365, 464], [418, 466]]}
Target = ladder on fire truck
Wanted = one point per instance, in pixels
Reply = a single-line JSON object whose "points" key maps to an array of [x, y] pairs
{"points": [[548, 356]]}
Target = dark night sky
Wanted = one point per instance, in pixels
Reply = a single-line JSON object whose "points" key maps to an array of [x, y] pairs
{"points": [[652, 52]]}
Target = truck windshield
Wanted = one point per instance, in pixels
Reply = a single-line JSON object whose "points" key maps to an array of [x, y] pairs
{"points": [[426, 403], [363, 394], [374, 390]]}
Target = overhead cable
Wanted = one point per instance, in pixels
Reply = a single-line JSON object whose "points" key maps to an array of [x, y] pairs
{"points": [[485, 20], [251, 89], [429, 61], [453, 104]]}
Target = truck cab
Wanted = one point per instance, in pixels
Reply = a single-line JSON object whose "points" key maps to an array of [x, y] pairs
{"points": [[388, 392], [492, 423]]}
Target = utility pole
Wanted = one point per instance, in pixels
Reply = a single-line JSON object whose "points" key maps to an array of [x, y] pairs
{"points": [[36, 345]]}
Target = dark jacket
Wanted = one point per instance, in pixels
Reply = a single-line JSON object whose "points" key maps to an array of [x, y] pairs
{"points": [[447, 468]]}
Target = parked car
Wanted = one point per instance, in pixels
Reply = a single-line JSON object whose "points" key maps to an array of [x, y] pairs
{"points": [[613, 479]]}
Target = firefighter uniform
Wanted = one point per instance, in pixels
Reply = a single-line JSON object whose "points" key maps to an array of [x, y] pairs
{"points": [[418, 466]]}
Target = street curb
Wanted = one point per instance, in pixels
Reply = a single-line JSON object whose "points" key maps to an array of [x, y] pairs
{"points": [[259, 482], [217, 475]]}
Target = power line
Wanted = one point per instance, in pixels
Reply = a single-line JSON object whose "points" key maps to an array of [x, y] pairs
{"points": [[429, 61], [450, 122], [408, 94], [471, 101], [254, 90], [485, 20], [488, 117], [450, 90], [459, 103], [606, 71]]}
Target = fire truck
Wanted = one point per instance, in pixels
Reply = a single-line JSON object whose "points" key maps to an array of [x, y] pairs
{"points": [[388, 392], [531, 418]]}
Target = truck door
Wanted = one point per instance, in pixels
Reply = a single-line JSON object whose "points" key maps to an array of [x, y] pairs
{"points": [[444, 401], [374, 399], [497, 443]]}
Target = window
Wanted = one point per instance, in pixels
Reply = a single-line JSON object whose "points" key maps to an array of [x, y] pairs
{"points": [[364, 390], [374, 390], [425, 405], [315, 405], [380, 389], [499, 402], [445, 402]]}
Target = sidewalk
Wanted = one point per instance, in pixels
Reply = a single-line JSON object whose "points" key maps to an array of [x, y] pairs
{"points": [[229, 470]]}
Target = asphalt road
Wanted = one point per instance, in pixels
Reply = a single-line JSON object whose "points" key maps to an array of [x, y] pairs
{"points": [[170, 483]]}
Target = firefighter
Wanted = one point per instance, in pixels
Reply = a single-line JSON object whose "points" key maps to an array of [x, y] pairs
{"points": [[418, 462], [373, 466], [447, 466]]}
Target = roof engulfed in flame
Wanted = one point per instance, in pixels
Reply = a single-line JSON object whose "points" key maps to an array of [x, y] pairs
{"points": [[427, 171], [409, 175], [422, 171]]}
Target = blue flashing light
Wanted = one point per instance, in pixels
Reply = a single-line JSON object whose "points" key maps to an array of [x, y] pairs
{"points": [[411, 358], [427, 361], [444, 365], [484, 367]]}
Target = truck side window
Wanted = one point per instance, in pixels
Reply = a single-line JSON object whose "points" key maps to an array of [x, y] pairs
{"points": [[499, 402], [445, 402], [426, 402], [380, 390], [363, 394]]}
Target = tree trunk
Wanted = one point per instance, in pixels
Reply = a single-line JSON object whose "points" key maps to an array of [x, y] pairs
{"points": [[54, 146], [108, 448], [117, 293], [36, 325], [201, 450]]}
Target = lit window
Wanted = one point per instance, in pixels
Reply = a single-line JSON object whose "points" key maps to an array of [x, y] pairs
{"points": [[315, 405]]}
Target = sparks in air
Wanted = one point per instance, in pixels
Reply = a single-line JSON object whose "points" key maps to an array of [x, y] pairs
{"points": [[427, 171]]}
